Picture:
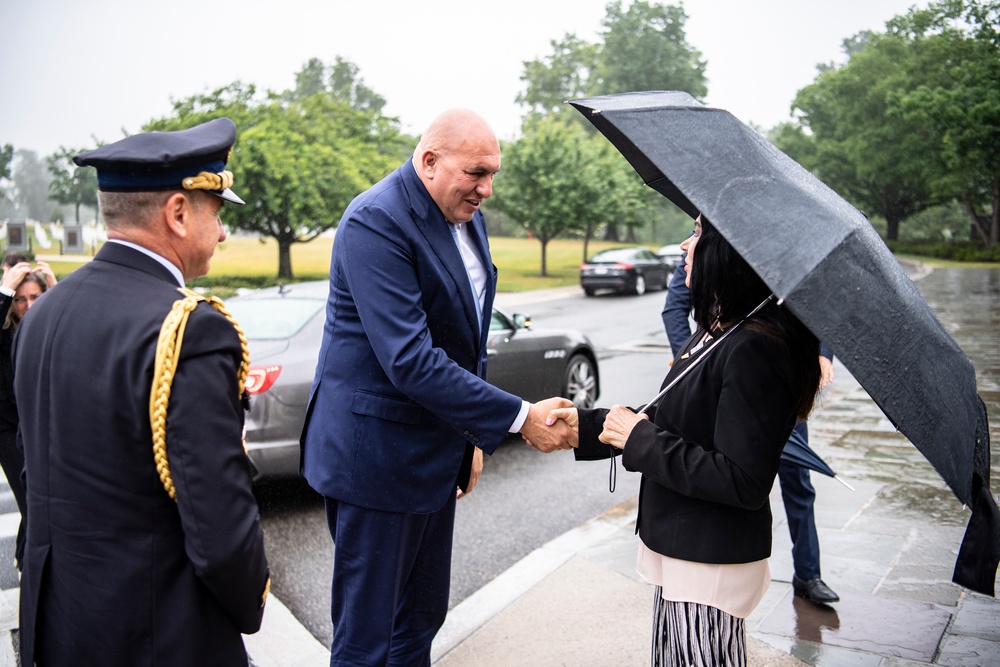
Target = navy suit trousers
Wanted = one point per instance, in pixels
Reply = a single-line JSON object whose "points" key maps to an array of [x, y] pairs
{"points": [[391, 579], [799, 496]]}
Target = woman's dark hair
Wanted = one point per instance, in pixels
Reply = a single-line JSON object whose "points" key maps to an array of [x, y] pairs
{"points": [[724, 289]]}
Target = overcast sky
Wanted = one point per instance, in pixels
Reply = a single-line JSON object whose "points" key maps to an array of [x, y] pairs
{"points": [[73, 70]]}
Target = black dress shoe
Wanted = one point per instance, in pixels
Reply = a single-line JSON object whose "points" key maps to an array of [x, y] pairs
{"points": [[814, 590]]}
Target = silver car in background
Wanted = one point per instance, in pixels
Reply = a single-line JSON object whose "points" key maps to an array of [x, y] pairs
{"points": [[284, 326]]}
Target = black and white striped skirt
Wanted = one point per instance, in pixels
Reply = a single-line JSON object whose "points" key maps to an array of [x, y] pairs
{"points": [[687, 634]]}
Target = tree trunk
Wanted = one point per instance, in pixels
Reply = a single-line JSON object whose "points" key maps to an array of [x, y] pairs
{"points": [[284, 259], [586, 244], [975, 227], [611, 232], [892, 227], [545, 242], [78, 214], [995, 222]]}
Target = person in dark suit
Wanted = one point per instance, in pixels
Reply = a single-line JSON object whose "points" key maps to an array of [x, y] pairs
{"points": [[708, 452], [135, 558], [797, 492], [400, 412]]}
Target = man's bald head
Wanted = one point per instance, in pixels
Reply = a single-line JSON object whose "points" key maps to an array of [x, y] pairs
{"points": [[456, 159]]}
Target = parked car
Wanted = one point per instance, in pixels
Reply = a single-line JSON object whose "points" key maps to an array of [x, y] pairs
{"points": [[671, 254], [284, 326], [624, 270]]}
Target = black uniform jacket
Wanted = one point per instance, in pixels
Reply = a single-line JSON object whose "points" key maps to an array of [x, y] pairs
{"points": [[710, 452], [116, 572]]}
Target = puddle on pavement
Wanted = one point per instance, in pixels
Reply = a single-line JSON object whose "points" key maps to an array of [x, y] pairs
{"points": [[862, 623]]}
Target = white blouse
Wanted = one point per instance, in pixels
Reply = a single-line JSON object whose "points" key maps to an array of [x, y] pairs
{"points": [[735, 588]]}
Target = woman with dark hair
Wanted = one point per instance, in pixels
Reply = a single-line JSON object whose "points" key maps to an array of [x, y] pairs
{"points": [[19, 288], [708, 452]]}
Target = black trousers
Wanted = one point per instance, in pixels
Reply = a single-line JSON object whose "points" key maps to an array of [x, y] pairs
{"points": [[12, 461]]}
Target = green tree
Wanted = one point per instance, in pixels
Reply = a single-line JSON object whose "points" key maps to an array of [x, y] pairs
{"points": [[564, 75], [341, 80], [646, 48], [643, 47], [302, 164], [70, 184], [302, 155], [6, 157], [958, 105], [876, 159], [558, 178], [31, 186]]}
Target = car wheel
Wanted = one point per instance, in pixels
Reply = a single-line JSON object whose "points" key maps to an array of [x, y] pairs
{"points": [[640, 286], [580, 381], [589, 291]]}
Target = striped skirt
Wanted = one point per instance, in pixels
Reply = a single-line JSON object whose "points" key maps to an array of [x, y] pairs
{"points": [[687, 634]]}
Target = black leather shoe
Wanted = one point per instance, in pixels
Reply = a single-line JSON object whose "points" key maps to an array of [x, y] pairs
{"points": [[814, 590]]}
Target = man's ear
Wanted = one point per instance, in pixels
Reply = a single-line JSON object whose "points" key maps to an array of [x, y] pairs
{"points": [[427, 162], [177, 212]]}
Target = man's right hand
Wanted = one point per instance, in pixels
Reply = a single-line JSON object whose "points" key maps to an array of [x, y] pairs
{"points": [[543, 437]]}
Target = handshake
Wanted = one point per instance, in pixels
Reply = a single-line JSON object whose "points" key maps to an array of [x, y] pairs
{"points": [[551, 424], [555, 424]]}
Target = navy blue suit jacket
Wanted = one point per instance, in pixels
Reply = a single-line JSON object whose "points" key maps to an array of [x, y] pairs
{"points": [[400, 396]]}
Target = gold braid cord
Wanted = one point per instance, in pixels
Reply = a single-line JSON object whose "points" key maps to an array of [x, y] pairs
{"points": [[168, 351], [206, 180]]}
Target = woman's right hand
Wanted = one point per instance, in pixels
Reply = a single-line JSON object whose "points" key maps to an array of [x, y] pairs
{"points": [[14, 276], [568, 415]]}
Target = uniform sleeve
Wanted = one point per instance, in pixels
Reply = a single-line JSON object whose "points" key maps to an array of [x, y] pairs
{"points": [[753, 419], [211, 471]]}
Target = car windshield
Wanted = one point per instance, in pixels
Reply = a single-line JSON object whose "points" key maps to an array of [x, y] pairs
{"points": [[610, 256], [279, 317]]}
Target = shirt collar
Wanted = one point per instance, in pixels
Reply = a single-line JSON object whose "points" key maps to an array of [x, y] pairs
{"points": [[174, 271]]}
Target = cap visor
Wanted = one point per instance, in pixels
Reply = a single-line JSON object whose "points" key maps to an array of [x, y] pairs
{"points": [[227, 195]]}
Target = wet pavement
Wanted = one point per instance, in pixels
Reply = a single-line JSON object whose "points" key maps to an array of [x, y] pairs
{"points": [[888, 549]]}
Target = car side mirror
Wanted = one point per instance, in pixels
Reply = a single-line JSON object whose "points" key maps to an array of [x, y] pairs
{"points": [[522, 321]]}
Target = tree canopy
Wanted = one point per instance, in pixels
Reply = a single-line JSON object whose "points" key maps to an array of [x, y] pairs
{"points": [[70, 184], [912, 119], [300, 156], [643, 47], [559, 178], [6, 157]]}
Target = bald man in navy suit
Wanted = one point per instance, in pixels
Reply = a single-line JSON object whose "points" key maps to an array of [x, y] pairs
{"points": [[400, 411]]}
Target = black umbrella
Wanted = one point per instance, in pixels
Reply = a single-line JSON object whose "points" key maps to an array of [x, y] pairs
{"points": [[798, 451], [823, 259]]}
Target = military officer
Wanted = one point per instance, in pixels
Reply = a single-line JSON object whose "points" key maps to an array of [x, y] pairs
{"points": [[145, 545]]}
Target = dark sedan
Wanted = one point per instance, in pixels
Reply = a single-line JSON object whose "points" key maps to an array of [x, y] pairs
{"points": [[624, 270], [284, 326]]}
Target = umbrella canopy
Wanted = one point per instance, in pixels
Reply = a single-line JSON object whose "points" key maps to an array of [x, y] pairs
{"points": [[798, 451], [822, 257]]}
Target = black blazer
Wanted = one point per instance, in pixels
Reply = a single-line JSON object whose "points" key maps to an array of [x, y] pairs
{"points": [[710, 452], [115, 572], [8, 409]]}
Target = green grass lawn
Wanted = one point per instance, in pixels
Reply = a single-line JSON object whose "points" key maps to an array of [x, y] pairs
{"points": [[519, 260]]}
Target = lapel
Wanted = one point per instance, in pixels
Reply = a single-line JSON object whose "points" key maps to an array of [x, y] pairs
{"points": [[432, 225]]}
